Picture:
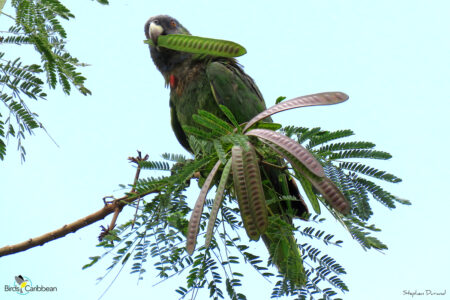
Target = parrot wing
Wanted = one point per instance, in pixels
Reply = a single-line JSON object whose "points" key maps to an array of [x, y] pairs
{"points": [[235, 89], [177, 129]]}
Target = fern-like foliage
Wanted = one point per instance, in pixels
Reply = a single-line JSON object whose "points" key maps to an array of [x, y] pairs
{"points": [[354, 178], [159, 236], [36, 24], [18, 81], [330, 171]]}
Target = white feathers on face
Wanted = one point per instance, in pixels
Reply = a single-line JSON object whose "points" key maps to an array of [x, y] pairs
{"points": [[155, 30]]}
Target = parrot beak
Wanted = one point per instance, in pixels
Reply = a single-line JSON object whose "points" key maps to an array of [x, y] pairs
{"points": [[155, 31]]}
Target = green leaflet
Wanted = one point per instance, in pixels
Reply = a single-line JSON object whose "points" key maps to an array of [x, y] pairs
{"points": [[216, 120], [307, 187], [362, 237], [268, 126], [279, 99], [357, 153], [236, 139], [220, 151], [199, 145], [284, 252], [321, 137], [126, 258], [369, 171], [194, 131], [199, 45], [229, 115], [174, 157], [93, 259], [345, 146], [210, 124], [154, 165]]}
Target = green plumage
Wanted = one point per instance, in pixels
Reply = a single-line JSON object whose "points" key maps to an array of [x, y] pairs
{"points": [[205, 82]]}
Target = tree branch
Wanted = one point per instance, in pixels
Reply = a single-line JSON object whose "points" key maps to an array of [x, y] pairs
{"points": [[110, 207], [72, 227], [114, 206]]}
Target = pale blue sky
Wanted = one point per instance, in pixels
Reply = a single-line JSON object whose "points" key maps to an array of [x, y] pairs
{"points": [[391, 57]]}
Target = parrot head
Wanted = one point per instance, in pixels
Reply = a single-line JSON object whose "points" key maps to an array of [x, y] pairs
{"points": [[164, 59], [162, 25]]}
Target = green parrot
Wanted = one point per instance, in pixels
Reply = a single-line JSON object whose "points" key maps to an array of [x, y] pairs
{"points": [[202, 83]]}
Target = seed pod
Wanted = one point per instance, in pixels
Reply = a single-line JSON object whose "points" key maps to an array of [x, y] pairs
{"points": [[217, 202], [240, 187], [255, 190], [200, 45], [194, 221]]}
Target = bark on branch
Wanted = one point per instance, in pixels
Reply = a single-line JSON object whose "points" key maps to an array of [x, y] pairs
{"points": [[72, 227]]}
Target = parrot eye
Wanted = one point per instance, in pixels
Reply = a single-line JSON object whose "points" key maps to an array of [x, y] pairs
{"points": [[173, 24], [156, 22]]}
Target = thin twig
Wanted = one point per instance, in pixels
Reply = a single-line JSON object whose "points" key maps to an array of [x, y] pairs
{"points": [[118, 209], [136, 160], [273, 165], [9, 16]]}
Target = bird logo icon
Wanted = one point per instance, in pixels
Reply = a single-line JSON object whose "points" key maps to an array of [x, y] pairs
{"points": [[21, 282]]}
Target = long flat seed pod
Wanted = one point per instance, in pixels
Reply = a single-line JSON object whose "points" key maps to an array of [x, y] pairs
{"points": [[324, 185], [255, 190], [217, 202], [199, 45], [291, 146], [332, 194], [194, 221], [310, 100], [240, 187]]}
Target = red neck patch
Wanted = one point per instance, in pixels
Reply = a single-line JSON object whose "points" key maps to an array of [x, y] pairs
{"points": [[173, 81]]}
